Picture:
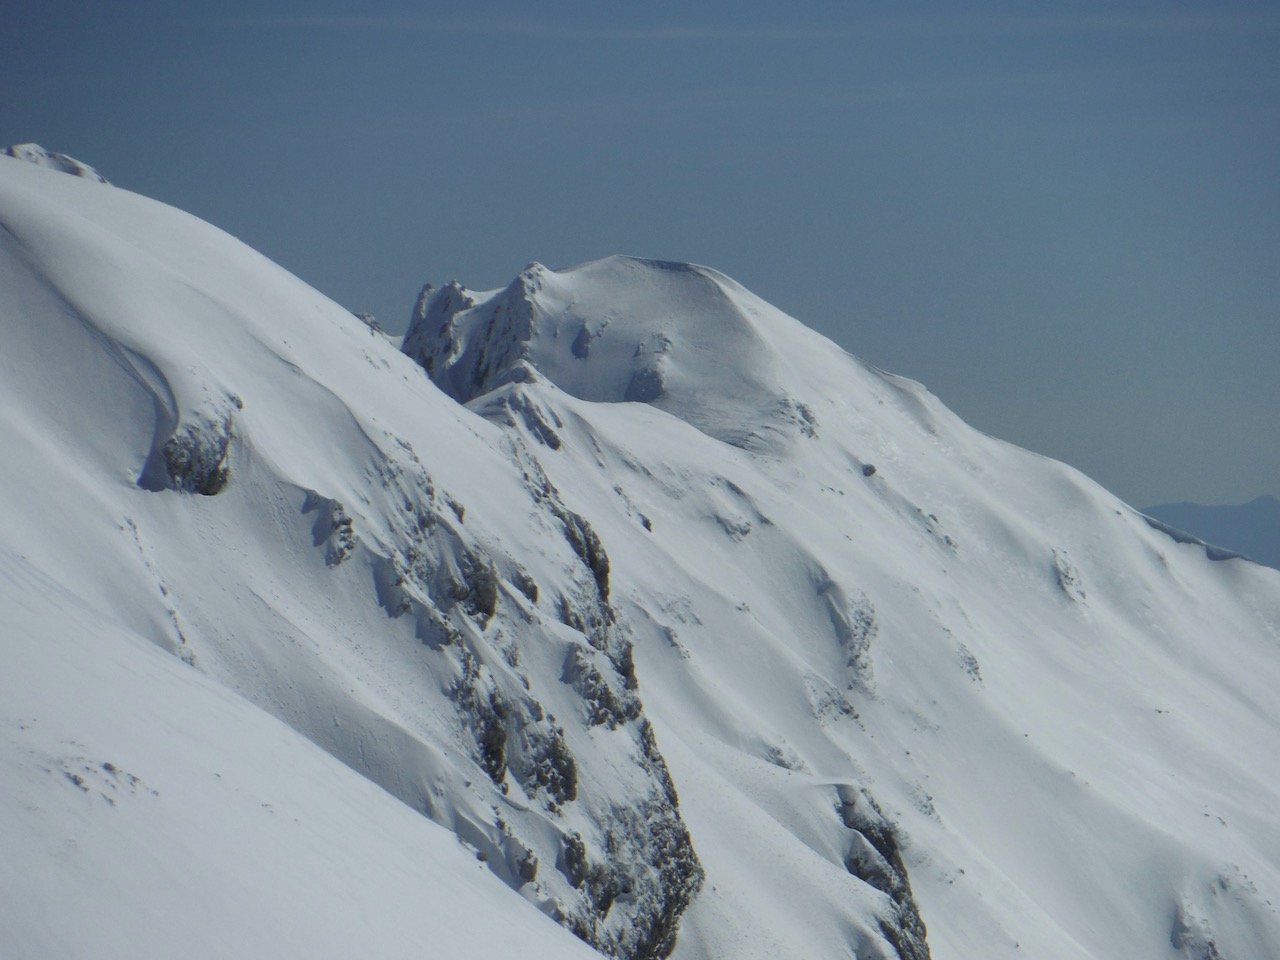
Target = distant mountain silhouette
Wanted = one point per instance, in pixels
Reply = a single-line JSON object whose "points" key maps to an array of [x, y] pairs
{"points": [[1251, 529]]}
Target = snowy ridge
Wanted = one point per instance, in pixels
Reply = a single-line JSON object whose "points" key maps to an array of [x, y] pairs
{"points": [[1248, 529], [781, 660], [683, 338], [885, 600]]}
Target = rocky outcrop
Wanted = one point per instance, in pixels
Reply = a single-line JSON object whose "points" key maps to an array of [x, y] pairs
{"points": [[195, 458], [875, 857], [605, 813]]}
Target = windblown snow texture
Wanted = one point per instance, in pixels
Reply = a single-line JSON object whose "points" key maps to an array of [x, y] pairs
{"points": [[618, 599]]}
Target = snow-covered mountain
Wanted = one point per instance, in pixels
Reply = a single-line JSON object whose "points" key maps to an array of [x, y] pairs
{"points": [[618, 598]]}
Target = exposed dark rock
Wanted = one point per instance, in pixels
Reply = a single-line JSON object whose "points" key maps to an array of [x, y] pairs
{"points": [[1191, 935], [478, 589], [526, 585], [799, 414], [625, 664], [632, 871], [486, 713], [648, 867], [603, 704], [527, 867], [646, 385], [573, 860], [875, 857], [587, 546], [578, 533], [535, 420], [854, 625], [491, 736], [430, 326], [332, 529], [466, 367], [195, 457], [585, 613], [582, 343], [34, 153], [549, 766], [516, 736]]}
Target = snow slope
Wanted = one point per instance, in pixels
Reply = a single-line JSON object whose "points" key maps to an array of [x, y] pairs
{"points": [[152, 813], [374, 605], [1066, 712], [698, 633]]}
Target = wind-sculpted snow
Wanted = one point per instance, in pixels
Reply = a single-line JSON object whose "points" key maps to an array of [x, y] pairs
{"points": [[698, 635]]}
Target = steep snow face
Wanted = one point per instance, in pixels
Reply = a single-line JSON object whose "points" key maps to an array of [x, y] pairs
{"points": [[883, 651], [150, 812], [214, 457], [34, 153], [683, 338]]}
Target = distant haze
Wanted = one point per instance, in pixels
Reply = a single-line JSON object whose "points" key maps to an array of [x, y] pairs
{"points": [[1061, 218]]}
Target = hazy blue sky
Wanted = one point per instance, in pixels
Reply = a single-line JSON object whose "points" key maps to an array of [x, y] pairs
{"points": [[1063, 218]]}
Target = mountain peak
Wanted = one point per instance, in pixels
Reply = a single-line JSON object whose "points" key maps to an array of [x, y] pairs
{"points": [[34, 153], [681, 337]]}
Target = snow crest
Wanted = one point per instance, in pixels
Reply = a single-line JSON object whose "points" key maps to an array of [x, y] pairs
{"points": [[34, 153]]}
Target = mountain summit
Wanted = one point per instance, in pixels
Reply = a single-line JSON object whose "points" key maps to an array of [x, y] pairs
{"points": [[617, 615], [683, 338]]}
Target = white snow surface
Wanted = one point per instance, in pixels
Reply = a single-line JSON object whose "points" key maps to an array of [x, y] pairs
{"points": [[1069, 717], [34, 153], [684, 338], [150, 812]]}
